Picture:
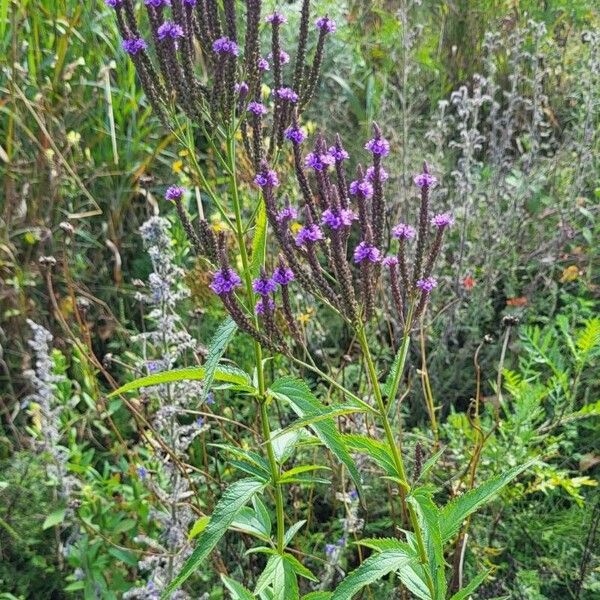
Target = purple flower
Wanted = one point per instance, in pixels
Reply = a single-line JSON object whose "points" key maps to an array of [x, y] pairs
{"points": [[427, 284], [157, 3], [142, 472], [267, 178], [264, 285], [390, 261], [338, 154], [378, 146], [353, 497], [286, 93], [225, 46], [309, 234], [257, 108], [174, 193], [283, 275], [365, 251], [318, 162], [336, 220], [199, 422], [170, 30], [370, 174], [402, 231], [442, 220], [210, 398], [225, 281], [361, 188], [133, 45], [263, 64], [260, 307], [284, 57], [330, 550], [276, 18], [326, 24], [287, 213], [241, 88], [113, 3], [425, 180], [189, 2], [295, 134]]}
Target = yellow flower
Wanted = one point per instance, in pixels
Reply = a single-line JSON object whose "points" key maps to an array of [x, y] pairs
{"points": [[177, 166], [569, 274]]}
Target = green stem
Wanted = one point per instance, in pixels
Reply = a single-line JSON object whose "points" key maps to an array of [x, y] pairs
{"points": [[404, 486], [258, 355]]}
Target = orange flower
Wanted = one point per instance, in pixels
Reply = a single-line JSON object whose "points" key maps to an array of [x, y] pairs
{"points": [[468, 283]]}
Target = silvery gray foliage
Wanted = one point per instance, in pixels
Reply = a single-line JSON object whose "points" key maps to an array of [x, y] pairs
{"points": [[164, 345]]}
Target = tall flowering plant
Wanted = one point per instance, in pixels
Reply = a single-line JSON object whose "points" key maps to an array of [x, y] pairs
{"points": [[333, 243]]}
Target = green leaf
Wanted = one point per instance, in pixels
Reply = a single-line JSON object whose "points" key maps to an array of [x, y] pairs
{"points": [[292, 531], [470, 587], [216, 349], [248, 521], [378, 451], [318, 596], [259, 241], [304, 403], [392, 382], [430, 463], [54, 518], [285, 442], [236, 590], [199, 527], [373, 569], [292, 473], [267, 576], [458, 509], [224, 373], [298, 567], [285, 582], [234, 498]]}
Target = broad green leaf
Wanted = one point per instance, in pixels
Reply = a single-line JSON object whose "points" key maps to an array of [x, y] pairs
{"points": [[54, 518], [378, 451], [236, 590], [470, 587], [458, 509], [285, 443], [224, 373], [304, 403], [216, 349], [234, 498], [429, 521], [292, 531], [392, 382], [199, 526], [248, 521], [373, 569], [259, 241]]}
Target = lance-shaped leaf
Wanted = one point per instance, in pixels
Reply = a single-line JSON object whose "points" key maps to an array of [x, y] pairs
{"points": [[236, 590], [470, 587], [216, 349], [234, 498], [259, 241], [224, 373], [458, 509], [304, 404], [376, 450]]}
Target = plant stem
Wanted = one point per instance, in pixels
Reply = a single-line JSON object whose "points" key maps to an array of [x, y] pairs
{"points": [[404, 486], [258, 355]]}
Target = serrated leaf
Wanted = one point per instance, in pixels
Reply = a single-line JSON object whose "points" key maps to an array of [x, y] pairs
{"points": [[470, 587], [248, 521], [371, 570], [298, 567], [284, 443], [236, 589], [292, 473], [378, 451], [430, 463], [262, 514], [285, 581], [234, 498], [292, 531], [304, 403], [458, 509], [216, 349], [223, 373], [54, 518], [266, 578], [318, 596]]}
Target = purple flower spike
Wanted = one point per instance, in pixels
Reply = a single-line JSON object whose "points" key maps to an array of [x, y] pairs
{"points": [[225, 281], [427, 284], [365, 251], [210, 398], [225, 46], [113, 3], [361, 188], [442, 220], [189, 2], [170, 30], [295, 134], [338, 154], [390, 261], [133, 45], [264, 285], [157, 3], [276, 18], [319, 162], [337, 220], [200, 422], [287, 213], [326, 24], [288, 94], [283, 275], [266, 178], [257, 108], [378, 146], [241, 89], [174, 193], [330, 550], [402, 231], [263, 64], [425, 180], [284, 57], [370, 174], [309, 234], [260, 307]]}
